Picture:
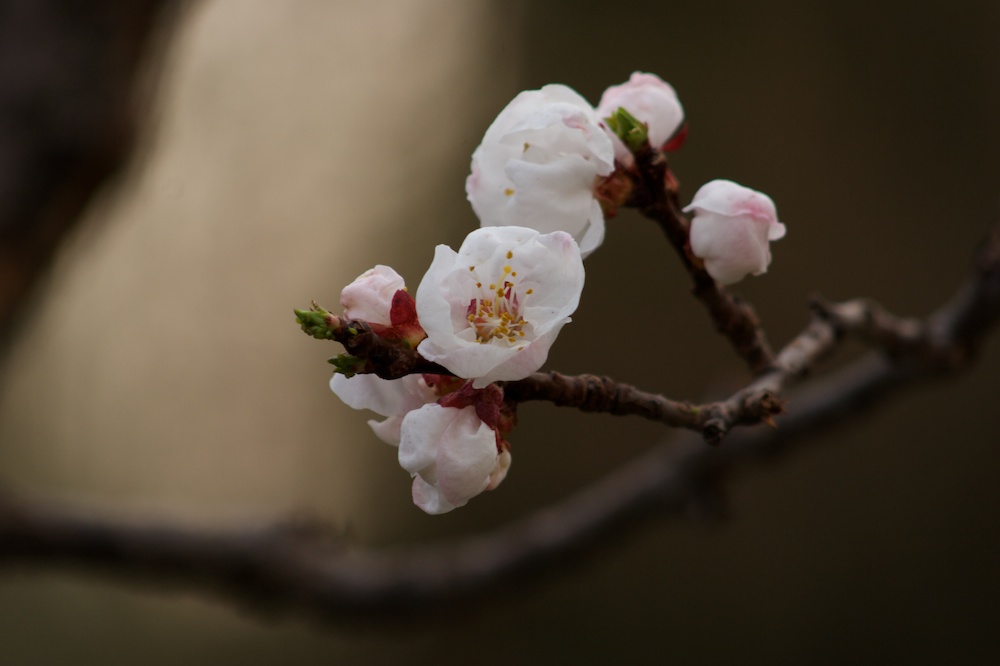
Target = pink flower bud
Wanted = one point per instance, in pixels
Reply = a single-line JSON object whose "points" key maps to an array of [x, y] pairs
{"points": [[651, 100], [369, 297], [732, 229]]}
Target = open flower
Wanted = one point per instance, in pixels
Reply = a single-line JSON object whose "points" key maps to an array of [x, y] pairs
{"points": [[391, 398], [452, 455], [492, 310], [651, 100], [538, 164], [732, 229]]}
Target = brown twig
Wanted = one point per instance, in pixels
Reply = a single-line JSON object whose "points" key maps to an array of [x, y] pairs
{"points": [[656, 198], [388, 360], [387, 357], [590, 393], [759, 402]]}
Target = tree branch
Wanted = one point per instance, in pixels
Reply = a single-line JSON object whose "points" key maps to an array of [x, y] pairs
{"points": [[273, 567], [288, 567], [71, 82]]}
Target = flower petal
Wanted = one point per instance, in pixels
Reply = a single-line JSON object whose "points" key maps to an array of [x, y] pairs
{"points": [[430, 498], [392, 398]]}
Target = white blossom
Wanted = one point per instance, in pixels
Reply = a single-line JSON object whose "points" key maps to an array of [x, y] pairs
{"points": [[538, 164], [492, 310], [732, 229], [452, 455], [651, 100]]}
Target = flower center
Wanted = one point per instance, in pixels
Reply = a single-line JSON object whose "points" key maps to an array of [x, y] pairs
{"points": [[496, 313]]}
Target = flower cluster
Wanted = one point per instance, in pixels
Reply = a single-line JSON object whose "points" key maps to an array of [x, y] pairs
{"points": [[548, 170], [543, 161], [487, 313]]}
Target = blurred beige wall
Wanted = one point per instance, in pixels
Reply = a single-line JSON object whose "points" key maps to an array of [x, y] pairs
{"points": [[295, 145]]}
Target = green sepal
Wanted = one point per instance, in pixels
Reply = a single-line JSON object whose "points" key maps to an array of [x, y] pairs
{"points": [[347, 365], [316, 322], [632, 131]]}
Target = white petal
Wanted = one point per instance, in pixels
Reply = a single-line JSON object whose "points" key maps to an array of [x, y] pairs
{"points": [[518, 365], [388, 430], [466, 456], [731, 247], [528, 102], [500, 468], [728, 198], [390, 398], [555, 197], [429, 498], [434, 300], [382, 396], [422, 431]]}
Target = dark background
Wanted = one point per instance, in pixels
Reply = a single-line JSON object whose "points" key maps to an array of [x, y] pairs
{"points": [[873, 126]]}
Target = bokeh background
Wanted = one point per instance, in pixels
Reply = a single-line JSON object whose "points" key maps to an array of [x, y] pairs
{"points": [[287, 147]]}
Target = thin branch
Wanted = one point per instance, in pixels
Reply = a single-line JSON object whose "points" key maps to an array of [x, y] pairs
{"points": [[590, 393], [386, 356], [759, 402], [871, 322], [656, 198], [286, 568]]}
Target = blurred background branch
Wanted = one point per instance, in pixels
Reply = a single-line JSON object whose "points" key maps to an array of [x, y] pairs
{"points": [[72, 86], [301, 568]]}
